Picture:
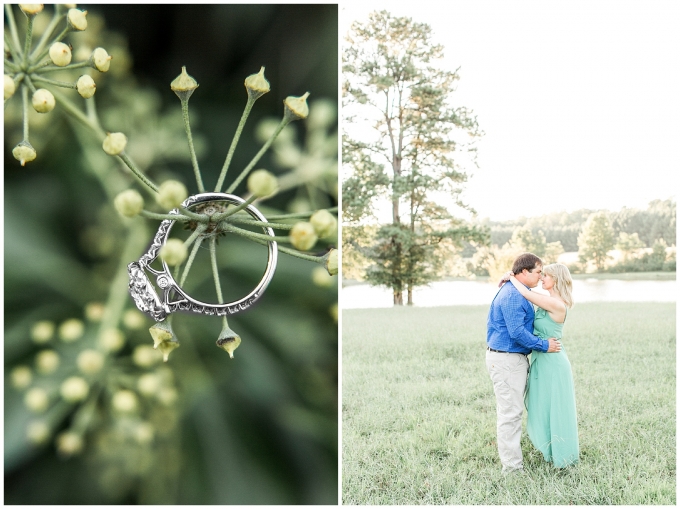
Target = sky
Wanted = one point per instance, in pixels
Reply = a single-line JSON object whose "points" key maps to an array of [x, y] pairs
{"points": [[579, 100]]}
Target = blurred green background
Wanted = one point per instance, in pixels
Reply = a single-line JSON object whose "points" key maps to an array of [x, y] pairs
{"points": [[257, 429]]}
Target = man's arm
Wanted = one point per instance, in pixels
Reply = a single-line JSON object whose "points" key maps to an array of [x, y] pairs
{"points": [[515, 314]]}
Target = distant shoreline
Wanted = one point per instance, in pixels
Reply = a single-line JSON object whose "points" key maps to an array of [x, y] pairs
{"points": [[624, 276]]}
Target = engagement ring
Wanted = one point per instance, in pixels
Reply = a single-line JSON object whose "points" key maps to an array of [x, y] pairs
{"points": [[175, 298]]}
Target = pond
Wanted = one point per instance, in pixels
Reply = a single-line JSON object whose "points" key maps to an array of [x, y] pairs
{"points": [[473, 293]]}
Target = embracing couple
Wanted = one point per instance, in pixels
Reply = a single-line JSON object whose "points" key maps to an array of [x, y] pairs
{"points": [[515, 330]]}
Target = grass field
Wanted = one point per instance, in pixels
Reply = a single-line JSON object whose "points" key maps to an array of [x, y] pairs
{"points": [[419, 417]]}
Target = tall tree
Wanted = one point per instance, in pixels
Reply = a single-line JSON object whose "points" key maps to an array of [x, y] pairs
{"points": [[596, 239], [407, 145]]}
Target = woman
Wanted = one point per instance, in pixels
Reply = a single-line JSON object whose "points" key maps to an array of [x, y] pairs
{"points": [[549, 397]]}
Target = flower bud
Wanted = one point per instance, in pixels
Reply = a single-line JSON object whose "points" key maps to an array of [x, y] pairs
{"points": [[332, 262], [10, 86], [129, 203], [148, 384], [320, 277], [228, 340], [183, 85], [145, 356], [262, 183], [171, 194], [257, 85], [42, 331], [71, 330], [302, 236], [36, 400], [47, 361], [167, 395], [173, 252], [112, 340], [86, 86], [124, 401], [74, 389], [322, 114], [295, 108], [166, 347], [60, 54], [21, 377], [69, 443], [77, 19], [43, 101], [114, 143], [324, 223], [37, 432], [143, 433], [161, 331], [164, 338], [133, 319], [101, 60], [94, 311], [31, 9], [24, 153], [90, 362]]}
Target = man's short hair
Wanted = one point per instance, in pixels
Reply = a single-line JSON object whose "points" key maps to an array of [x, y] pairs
{"points": [[527, 261]]}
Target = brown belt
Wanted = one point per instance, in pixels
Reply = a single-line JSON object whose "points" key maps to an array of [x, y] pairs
{"points": [[500, 351]]}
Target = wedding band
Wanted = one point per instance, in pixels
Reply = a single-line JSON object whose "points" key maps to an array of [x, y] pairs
{"points": [[147, 298]]}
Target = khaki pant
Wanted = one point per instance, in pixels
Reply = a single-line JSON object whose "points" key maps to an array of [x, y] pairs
{"points": [[509, 376]]}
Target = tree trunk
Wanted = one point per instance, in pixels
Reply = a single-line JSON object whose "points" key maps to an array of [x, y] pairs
{"points": [[410, 296], [398, 298]]}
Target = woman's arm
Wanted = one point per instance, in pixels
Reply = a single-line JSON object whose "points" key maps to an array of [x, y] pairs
{"points": [[550, 304]]}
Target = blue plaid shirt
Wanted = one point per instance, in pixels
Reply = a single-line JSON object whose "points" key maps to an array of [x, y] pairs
{"points": [[510, 324]]}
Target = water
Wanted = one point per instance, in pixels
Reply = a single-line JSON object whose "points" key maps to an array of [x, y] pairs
{"points": [[461, 293]]}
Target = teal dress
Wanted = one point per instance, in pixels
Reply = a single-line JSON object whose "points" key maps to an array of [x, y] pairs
{"points": [[550, 400]]}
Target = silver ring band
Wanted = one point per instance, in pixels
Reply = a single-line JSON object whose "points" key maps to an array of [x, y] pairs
{"points": [[144, 294]]}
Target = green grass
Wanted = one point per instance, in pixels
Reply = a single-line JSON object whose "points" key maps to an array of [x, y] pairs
{"points": [[419, 418]]}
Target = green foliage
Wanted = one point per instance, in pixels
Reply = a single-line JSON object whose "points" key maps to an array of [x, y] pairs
{"points": [[596, 239], [419, 412], [394, 83]]}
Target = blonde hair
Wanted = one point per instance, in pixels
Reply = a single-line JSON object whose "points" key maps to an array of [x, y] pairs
{"points": [[563, 283]]}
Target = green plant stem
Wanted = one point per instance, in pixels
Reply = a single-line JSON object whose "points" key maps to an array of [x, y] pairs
{"points": [[216, 274], [192, 215], [57, 39], [190, 260], [300, 215], [30, 84], [234, 142], [41, 65], [137, 172], [284, 122], [199, 230], [162, 217], [118, 294], [233, 210], [56, 18], [77, 65], [28, 39], [70, 108], [56, 83], [13, 51], [263, 224], [9, 65], [13, 31], [252, 235], [310, 258], [192, 150], [24, 99], [94, 126], [91, 109]]}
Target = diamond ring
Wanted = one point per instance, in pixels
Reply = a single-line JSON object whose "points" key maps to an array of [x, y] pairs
{"points": [[174, 298]]}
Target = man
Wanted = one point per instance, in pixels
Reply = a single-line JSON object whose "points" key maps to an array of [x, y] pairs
{"points": [[509, 340]]}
